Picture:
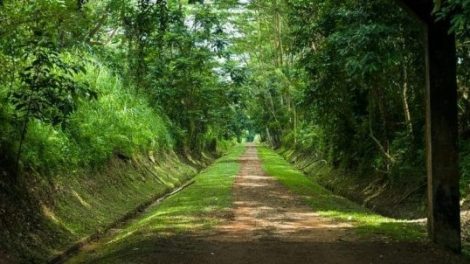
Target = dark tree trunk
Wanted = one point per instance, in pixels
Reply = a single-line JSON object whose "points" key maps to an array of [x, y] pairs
{"points": [[441, 127], [441, 138]]}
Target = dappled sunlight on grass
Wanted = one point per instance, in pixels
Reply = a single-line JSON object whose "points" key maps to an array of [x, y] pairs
{"points": [[326, 204], [198, 207]]}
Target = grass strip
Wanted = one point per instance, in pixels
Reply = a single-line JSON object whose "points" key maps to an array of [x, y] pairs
{"points": [[327, 204], [197, 207]]}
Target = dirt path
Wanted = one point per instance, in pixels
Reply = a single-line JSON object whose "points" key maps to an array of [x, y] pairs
{"points": [[266, 210], [270, 225]]}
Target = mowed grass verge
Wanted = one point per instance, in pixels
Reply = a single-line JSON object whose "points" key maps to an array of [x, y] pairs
{"points": [[327, 204], [198, 207]]}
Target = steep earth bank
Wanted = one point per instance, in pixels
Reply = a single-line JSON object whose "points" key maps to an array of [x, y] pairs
{"points": [[57, 211]]}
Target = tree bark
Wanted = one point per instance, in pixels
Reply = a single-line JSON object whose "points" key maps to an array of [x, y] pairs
{"points": [[404, 96]]}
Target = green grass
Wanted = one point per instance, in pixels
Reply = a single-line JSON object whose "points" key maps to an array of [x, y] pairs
{"points": [[85, 206], [198, 207], [118, 122], [327, 204], [84, 203]]}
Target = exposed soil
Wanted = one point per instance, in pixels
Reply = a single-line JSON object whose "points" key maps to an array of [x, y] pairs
{"points": [[266, 210], [271, 225]]}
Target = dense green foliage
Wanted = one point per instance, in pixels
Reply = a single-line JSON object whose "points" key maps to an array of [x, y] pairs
{"points": [[86, 80], [90, 82], [87, 88], [344, 81]]}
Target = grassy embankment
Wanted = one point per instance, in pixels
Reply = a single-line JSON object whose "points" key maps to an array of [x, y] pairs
{"points": [[327, 204], [61, 211], [200, 206], [113, 155]]}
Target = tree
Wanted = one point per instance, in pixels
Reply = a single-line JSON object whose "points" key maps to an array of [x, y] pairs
{"points": [[48, 91]]}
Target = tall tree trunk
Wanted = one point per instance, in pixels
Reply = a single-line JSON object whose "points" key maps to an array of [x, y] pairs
{"points": [[278, 35], [295, 125], [268, 135], [273, 109], [23, 132], [384, 144], [404, 96]]}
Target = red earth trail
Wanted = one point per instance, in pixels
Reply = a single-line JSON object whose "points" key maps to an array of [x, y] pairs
{"points": [[271, 225]]}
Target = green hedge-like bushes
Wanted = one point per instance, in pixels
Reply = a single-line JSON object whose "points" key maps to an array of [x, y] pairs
{"points": [[118, 122]]}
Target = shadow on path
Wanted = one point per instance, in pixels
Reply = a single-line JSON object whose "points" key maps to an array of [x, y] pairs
{"points": [[269, 224], [192, 249]]}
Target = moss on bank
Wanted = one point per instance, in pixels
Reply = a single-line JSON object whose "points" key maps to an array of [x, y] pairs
{"points": [[75, 179], [192, 209], [396, 198], [64, 210], [329, 205]]}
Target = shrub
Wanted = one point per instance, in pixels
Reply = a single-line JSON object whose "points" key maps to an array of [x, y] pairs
{"points": [[118, 122]]}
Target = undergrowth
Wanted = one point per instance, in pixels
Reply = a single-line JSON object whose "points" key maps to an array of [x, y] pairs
{"points": [[117, 123]]}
